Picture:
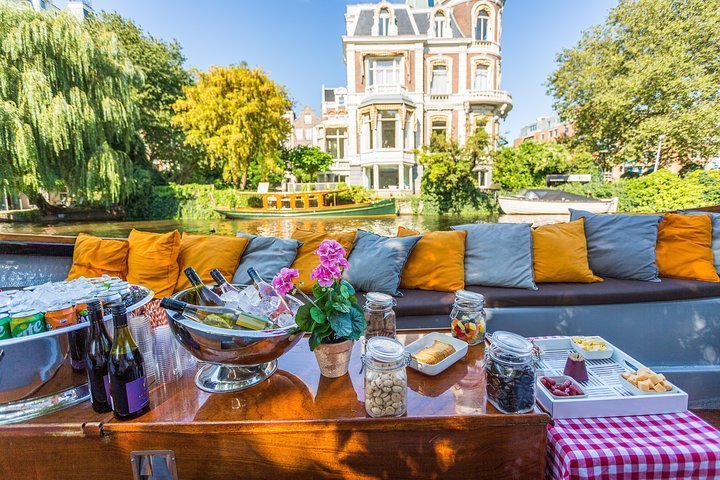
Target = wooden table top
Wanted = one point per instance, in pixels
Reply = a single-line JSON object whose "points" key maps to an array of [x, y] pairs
{"points": [[298, 393]]}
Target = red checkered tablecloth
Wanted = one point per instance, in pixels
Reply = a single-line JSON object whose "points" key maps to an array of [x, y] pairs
{"points": [[678, 445]]}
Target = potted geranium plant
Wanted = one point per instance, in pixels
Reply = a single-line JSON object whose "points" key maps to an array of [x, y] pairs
{"points": [[333, 318]]}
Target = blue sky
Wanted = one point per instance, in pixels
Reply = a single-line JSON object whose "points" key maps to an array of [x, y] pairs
{"points": [[298, 41]]}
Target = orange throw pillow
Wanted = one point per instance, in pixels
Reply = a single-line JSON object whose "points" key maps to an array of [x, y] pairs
{"points": [[152, 261], [206, 252], [684, 247], [306, 259], [436, 263], [560, 254], [93, 257]]}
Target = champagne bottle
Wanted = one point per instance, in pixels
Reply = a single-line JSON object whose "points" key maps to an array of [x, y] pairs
{"points": [[222, 284], [97, 358], [267, 291], [205, 295], [221, 317], [128, 382]]}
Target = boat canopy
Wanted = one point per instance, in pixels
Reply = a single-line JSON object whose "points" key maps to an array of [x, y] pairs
{"points": [[544, 195]]}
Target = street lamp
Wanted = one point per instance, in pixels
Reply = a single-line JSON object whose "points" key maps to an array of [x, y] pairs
{"points": [[657, 155]]}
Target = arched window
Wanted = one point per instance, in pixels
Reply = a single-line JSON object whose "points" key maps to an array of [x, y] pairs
{"points": [[439, 25], [482, 77], [481, 27], [439, 81], [384, 22]]}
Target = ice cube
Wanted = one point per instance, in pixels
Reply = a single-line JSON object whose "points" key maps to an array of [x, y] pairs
{"points": [[285, 320]]}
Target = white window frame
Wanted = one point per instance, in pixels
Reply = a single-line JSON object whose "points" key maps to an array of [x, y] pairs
{"points": [[436, 89], [339, 136], [375, 71], [482, 66], [381, 120], [439, 24], [433, 129], [482, 32], [384, 22]]}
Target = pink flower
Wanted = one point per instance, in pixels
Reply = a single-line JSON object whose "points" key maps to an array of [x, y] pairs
{"points": [[325, 275], [283, 281], [332, 255]]}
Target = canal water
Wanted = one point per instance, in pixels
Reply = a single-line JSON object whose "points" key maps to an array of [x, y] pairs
{"points": [[275, 226]]}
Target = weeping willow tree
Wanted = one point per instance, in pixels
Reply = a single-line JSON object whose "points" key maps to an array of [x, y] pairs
{"points": [[68, 119]]}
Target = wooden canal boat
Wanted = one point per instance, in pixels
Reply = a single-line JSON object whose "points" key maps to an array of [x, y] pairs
{"points": [[317, 203], [296, 424]]}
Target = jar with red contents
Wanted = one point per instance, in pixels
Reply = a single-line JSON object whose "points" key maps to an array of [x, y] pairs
{"points": [[467, 319]]}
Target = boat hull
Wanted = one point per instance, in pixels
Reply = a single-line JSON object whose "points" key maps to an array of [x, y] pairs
{"points": [[519, 206], [375, 209]]}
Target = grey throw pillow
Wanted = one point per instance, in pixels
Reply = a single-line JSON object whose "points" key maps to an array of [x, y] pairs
{"points": [[267, 255], [621, 246], [376, 262], [499, 255], [715, 219]]}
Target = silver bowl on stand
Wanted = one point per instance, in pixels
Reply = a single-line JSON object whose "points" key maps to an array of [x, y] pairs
{"points": [[234, 359]]}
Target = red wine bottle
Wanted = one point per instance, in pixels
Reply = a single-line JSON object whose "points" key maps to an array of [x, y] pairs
{"points": [[205, 295], [97, 358], [222, 284], [128, 382]]}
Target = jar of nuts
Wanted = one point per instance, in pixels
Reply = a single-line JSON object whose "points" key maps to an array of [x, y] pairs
{"points": [[385, 377], [379, 315]]}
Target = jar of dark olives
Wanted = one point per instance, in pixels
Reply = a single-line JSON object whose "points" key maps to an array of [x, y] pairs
{"points": [[510, 373]]}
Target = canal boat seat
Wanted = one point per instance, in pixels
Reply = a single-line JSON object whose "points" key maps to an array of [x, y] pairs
{"points": [[672, 326]]}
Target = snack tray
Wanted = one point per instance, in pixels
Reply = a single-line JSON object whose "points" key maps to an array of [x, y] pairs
{"points": [[607, 396]]}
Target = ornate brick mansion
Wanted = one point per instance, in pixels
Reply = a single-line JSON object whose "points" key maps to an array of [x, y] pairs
{"points": [[416, 69]]}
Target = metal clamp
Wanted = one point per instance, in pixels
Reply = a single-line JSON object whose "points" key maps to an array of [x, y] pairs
{"points": [[153, 465]]}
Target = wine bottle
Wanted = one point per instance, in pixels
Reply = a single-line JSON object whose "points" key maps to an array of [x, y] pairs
{"points": [[97, 358], [267, 291], [205, 295], [128, 382], [222, 317], [222, 284]]}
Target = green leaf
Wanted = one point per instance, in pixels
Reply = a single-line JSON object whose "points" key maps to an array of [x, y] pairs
{"points": [[303, 318], [350, 289], [342, 307], [341, 324], [318, 291], [314, 341], [358, 323], [317, 315]]}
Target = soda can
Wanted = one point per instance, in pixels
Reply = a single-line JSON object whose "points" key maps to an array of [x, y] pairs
{"points": [[60, 316], [26, 323], [107, 298], [5, 325], [81, 310]]}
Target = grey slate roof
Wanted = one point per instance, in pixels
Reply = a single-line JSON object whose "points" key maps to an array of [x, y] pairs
{"points": [[403, 22], [422, 21], [365, 23]]}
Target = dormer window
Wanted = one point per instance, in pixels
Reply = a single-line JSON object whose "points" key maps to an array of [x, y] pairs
{"points": [[439, 25], [481, 26], [384, 22]]}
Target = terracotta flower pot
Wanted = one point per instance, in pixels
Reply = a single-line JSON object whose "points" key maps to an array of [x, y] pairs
{"points": [[334, 358]]}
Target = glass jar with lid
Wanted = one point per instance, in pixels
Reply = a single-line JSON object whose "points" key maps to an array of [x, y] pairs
{"points": [[468, 317], [379, 315], [510, 373], [385, 377]]}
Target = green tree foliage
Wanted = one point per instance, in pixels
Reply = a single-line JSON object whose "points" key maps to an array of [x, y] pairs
{"points": [[236, 114], [161, 64], [527, 165], [449, 178], [305, 162], [653, 68], [67, 114]]}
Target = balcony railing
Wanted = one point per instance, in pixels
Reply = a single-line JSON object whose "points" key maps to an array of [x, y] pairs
{"points": [[494, 96], [439, 97], [386, 90], [487, 45]]}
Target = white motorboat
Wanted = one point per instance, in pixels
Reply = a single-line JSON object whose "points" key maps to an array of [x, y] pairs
{"points": [[552, 202]]}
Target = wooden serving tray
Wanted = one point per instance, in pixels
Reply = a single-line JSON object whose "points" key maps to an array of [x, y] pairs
{"points": [[607, 394]]}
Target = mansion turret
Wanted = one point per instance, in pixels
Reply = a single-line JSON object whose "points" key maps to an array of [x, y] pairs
{"points": [[414, 70]]}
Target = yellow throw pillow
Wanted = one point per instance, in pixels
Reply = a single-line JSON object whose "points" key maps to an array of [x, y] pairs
{"points": [[560, 254], [306, 259], [206, 252], [684, 247], [93, 257], [152, 261], [436, 263]]}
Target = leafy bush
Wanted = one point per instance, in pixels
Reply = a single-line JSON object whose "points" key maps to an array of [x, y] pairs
{"points": [[191, 201], [355, 194]]}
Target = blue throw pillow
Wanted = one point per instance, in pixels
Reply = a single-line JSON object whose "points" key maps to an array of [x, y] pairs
{"points": [[267, 255], [621, 246], [376, 262], [715, 219], [499, 255]]}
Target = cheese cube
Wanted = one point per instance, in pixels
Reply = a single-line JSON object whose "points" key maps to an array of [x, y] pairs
{"points": [[633, 379], [641, 377], [661, 377], [659, 388], [645, 385], [655, 378], [626, 375], [667, 385]]}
